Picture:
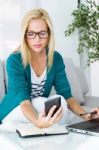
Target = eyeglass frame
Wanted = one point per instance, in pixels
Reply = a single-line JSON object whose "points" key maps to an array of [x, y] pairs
{"points": [[37, 33]]}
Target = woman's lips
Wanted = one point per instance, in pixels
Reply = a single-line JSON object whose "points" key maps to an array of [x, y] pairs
{"points": [[37, 45]]}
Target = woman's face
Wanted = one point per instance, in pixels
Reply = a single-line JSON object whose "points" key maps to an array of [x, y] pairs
{"points": [[37, 35]]}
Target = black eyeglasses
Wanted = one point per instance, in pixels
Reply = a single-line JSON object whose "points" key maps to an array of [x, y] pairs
{"points": [[32, 35]]}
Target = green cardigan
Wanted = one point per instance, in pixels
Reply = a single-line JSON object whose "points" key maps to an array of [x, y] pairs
{"points": [[19, 82]]}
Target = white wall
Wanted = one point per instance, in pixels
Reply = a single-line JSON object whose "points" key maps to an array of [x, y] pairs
{"points": [[94, 69], [11, 14], [60, 12]]}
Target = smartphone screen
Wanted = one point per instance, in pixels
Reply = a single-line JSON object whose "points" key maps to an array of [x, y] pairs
{"points": [[50, 103]]}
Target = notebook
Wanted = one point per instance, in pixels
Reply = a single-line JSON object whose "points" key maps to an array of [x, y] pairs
{"points": [[87, 127], [29, 130]]}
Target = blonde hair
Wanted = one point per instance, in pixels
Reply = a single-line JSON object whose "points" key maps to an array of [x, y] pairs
{"points": [[36, 14]]}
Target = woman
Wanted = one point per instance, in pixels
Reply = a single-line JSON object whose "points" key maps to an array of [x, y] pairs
{"points": [[32, 71]]}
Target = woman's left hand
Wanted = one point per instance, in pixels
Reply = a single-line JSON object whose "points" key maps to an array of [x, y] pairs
{"points": [[93, 115]]}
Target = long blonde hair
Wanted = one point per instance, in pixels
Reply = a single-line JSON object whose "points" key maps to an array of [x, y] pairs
{"points": [[35, 14]]}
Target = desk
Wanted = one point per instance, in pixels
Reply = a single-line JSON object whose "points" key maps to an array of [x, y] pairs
{"points": [[71, 141]]}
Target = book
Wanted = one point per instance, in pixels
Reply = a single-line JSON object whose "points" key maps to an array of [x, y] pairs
{"points": [[30, 130]]}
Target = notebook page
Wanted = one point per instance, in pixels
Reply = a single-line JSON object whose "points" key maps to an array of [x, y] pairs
{"points": [[26, 129], [55, 129]]}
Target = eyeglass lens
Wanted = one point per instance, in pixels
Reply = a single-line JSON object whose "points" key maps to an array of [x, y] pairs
{"points": [[32, 34]]}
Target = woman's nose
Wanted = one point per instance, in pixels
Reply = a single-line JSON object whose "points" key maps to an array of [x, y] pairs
{"points": [[37, 38]]}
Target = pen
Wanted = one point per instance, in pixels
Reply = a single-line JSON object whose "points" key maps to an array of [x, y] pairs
{"points": [[92, 113]]}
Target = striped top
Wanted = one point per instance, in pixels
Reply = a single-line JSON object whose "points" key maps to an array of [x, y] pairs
{"points": [[37, 83]]}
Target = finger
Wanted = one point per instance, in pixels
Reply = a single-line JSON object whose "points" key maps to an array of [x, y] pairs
{"points": [[88, 117], [42, 114], [58, 112], [50, 113], [96, 110], [91, 116], [58, 118], [95, 113], [54, 120]]}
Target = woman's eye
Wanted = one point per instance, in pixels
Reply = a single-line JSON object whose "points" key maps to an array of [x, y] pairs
{"points": [[42, 33], [30, 34]]}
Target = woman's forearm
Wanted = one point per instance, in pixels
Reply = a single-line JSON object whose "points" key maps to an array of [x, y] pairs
{"points": [[29, 111], [74, 106]]}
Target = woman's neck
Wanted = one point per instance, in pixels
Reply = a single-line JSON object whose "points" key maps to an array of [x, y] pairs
{"points": [[37, 56], [38, 62]]}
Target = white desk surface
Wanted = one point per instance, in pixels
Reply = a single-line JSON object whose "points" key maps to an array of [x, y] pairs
{"points": [[71, 141]]}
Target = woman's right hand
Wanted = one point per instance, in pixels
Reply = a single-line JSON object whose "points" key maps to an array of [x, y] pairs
{"points": [[46, 121]]}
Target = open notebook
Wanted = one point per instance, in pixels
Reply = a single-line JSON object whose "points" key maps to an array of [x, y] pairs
{"points": [[29, 130]]}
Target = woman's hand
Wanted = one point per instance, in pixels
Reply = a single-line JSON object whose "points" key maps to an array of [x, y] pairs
{"points": [[46, 121], [93, 115]]}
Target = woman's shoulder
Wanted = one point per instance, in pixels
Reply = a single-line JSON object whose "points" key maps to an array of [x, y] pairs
{"points": [[57, 56], [14, 56]]}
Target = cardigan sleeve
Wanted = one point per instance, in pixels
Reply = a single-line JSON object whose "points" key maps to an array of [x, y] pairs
{"points": [[16, 78], [61, 83]]}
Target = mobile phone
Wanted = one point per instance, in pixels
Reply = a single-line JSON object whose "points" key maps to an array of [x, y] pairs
{"points": [[50, 103]]}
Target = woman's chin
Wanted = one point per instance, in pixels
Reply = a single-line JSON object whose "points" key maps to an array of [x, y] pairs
{"points": [[37, 50]]}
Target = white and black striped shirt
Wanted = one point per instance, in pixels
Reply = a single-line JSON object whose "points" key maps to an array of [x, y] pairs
{"points": [[37, 84]]}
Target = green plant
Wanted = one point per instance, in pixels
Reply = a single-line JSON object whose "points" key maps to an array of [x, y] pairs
{"points": [[86, 19]]}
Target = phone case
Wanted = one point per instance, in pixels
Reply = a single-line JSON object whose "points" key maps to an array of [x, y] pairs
{"points": [[50, 103]]}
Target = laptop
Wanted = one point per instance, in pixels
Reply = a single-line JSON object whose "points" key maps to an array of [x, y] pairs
{"points": [[86, 127]]}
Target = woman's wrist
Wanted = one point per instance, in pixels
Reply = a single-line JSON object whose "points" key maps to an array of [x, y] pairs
{"points": [[35, 122]]}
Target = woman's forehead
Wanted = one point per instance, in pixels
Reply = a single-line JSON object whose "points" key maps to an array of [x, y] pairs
{"points": [[37, 24]]}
